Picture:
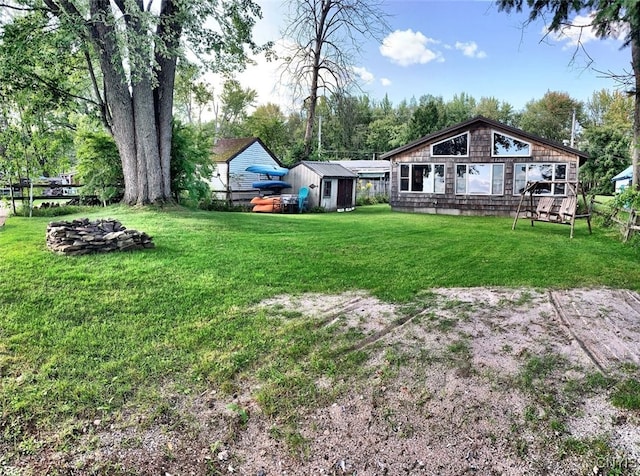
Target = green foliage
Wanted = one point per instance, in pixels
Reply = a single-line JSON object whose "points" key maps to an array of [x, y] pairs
{"points": [[99, 167], [627, 395], [371, 199], [628, 198], [608, 148], [191, 164], [551, 116], [269, 124]]}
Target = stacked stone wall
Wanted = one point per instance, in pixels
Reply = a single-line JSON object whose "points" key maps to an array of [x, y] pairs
{"points": [[79, 237]]}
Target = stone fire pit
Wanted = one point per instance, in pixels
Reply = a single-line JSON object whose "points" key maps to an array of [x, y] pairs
{"points": [[80, 237]]}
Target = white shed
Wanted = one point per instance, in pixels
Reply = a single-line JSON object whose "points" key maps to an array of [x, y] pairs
{"points": [[230, 180], [624, 179], [331, 186]]}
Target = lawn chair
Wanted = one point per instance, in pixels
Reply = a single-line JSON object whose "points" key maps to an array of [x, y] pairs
{"points": [[302, 198]]}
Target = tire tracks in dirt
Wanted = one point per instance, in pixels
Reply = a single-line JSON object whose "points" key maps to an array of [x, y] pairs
{"points": [[603, 332]]}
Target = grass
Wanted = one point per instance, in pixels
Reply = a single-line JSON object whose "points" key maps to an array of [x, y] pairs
{"points": [[81, 337]]}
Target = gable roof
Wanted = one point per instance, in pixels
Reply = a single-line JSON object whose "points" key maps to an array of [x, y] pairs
{"points": [[225, 150], [444, 133], [364, 165], [626, 174], [327, 169]]}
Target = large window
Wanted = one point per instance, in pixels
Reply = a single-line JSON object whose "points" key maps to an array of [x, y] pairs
{"points": [[507, 146], [426, 178], [454, 146], [480, 179], [524, 173]]}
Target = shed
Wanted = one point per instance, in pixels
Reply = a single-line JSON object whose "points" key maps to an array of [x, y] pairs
{"points": [[230, 180], [624, 179], [373, 176], [478, 167], [331, 186]]}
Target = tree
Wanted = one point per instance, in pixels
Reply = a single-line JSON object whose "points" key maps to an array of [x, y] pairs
{"points": [[136, 45], [233, 109], [460, 108], [429, 116], [99, 167], [495, 109], [552, 116], [326, 37], [35, 131], [609, 18], [191, 93], [191, 164], [269, 124], [607, 139]]}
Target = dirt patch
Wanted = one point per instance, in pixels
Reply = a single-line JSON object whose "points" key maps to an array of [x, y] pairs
{"points": [[461, 381]]}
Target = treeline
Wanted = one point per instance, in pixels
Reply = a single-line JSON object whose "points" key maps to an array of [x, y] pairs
{"points": [[358, 127]]}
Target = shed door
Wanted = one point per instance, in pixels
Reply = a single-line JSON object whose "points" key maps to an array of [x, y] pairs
{"points": [[345, 193]]}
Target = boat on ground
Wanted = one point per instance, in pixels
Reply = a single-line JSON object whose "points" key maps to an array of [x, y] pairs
{"points": [[266, 204]]}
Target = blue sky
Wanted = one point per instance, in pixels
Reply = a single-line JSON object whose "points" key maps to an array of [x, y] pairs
{"points": [[445, 48]]}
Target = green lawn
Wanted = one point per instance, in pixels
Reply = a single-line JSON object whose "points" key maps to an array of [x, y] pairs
{"points": [[82, 336]]}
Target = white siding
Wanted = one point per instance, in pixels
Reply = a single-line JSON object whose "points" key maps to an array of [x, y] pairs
{"points": [[301, 176], [239, 178]]}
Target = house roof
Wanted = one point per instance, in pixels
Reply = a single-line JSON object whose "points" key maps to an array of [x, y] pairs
{"points": [[443, 133], [226, 149], [624, 175], [327, 169], [364, 166]]}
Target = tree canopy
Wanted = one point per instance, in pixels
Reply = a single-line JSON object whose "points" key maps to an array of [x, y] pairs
{"points": [[131, 51]]}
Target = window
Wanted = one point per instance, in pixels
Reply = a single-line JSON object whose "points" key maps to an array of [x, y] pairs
{"points": [[326, 188], [524, 173], [454, 146], [480, 179], [426, 178], [504, 145]]}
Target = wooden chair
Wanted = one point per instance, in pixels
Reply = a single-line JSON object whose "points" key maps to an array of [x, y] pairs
{"points": [[544, 210], [567, 209]]}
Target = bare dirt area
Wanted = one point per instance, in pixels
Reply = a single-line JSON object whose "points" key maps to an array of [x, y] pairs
{"points": [[461, 381]]}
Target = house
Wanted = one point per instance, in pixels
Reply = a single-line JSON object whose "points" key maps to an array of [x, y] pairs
{"points": [[231, 181], [373, 176], [331, 186], [478, 167], [624, 179]]}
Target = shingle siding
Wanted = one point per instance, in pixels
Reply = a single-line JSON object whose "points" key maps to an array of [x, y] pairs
{"points": [[480, 152]]}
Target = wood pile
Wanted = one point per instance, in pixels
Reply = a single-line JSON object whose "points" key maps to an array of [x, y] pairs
{"points": [[80, 237]]}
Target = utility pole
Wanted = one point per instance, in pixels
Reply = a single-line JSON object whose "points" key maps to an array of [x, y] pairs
{"points": [[319, 134], [573, 128]]}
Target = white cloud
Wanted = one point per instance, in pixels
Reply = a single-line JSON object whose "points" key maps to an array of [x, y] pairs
{"points": [[385, 81], [408, 47], [580, 31], [470, 49], [363, 74]]}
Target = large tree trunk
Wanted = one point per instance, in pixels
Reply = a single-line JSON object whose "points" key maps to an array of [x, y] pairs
{"points": [[117, 97], [325, 7], [166, 80], [141, 114], [635, 154]]}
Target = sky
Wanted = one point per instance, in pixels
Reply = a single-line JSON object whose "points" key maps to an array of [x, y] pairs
{"points": [[445, 48]]}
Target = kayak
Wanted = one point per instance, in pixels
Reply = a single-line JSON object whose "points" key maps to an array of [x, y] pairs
{"points": [[268, 170], [270, 185]]}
